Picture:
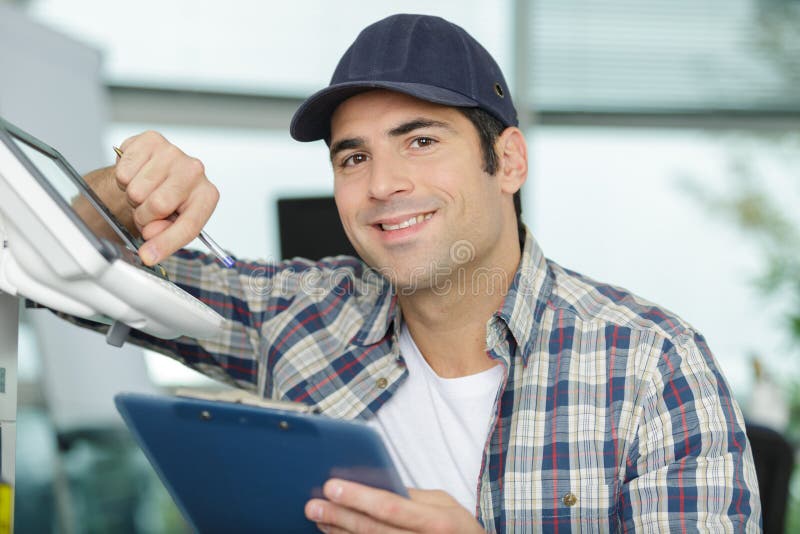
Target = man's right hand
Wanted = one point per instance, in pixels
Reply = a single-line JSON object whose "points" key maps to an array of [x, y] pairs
{"points": [[158, 191]]}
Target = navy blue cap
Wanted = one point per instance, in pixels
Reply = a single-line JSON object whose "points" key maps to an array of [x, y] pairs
{"points": [[419, 55]]}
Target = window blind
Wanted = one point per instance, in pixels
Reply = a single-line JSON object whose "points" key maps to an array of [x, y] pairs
{"points": [[665, 55]]}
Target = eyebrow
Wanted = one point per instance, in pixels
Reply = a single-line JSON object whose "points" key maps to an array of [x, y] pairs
{"points": [[346, 144], [402, 129], [416, 124]]}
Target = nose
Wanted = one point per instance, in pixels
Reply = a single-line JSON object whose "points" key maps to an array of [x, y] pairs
{"points": [[389, 176]]}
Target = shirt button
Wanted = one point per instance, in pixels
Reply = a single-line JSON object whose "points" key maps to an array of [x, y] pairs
{"points": [[569, 499], [382, 383]]}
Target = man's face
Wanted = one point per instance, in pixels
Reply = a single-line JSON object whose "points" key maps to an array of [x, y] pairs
{"points": [[411, 192]]}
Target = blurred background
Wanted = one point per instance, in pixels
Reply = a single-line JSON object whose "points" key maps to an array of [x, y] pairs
{"points": [[664, 139]]}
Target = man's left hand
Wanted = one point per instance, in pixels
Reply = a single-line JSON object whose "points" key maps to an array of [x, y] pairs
{"points": [[357, 508]]}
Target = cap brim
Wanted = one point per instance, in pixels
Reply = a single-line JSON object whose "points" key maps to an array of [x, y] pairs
{"points": [[312, 120]]}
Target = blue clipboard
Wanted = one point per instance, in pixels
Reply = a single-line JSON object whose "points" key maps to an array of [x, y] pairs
{"points": [[239, 468]]}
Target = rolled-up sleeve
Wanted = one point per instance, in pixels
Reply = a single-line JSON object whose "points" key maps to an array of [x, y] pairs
{"points": [[247, 295]]}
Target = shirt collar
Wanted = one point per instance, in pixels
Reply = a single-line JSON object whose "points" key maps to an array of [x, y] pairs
{"points": [[525, 302], [381, 314]]}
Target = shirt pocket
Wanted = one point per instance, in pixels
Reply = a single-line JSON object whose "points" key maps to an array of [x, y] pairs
{"points": [[581, 505]]}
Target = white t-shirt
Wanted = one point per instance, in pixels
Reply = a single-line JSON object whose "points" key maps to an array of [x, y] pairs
{"points": [[435, 428]]}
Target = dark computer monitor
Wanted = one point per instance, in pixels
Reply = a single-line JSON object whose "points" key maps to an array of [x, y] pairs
{"points": [[310, 228]]}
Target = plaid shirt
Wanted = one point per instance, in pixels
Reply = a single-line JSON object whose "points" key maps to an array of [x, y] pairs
{"points": [[613, 414]]}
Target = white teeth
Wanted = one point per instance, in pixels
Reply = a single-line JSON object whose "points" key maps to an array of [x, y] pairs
{"points": [[405, 224]]}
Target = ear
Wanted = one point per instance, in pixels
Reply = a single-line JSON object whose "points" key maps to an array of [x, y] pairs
{"points": [[512, 150]]}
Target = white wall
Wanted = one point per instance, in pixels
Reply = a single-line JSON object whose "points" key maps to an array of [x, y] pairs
{"points": [[51, 86], [608, 203], [262, 47]]}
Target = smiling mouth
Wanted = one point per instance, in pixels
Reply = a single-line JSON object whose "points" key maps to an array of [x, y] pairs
{"points": [[411, 221]]}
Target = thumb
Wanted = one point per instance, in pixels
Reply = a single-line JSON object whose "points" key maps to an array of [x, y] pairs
{"points": [[432, 497]]}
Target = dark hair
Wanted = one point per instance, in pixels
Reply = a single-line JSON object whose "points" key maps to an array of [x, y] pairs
{"points": [[489, 129]]}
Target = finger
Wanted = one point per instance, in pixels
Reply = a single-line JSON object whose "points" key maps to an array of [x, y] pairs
{"points": [[385, 506], [170, 197], [332, 529], [149, 177], [127, 167], [432, 497], [154, 228], [184, 176], [126, 144], [183, 229], [335, 518], [144, 141], [136, 152]]}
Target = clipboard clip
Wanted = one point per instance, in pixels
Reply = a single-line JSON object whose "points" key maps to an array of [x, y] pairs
{"points": [[238, 396]]}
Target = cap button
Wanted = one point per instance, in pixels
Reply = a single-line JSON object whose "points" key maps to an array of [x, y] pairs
{"points": [[569, 499], [382, 383]]}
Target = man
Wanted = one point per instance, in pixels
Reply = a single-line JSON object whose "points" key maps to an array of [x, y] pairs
{"points": [[515, 394]]}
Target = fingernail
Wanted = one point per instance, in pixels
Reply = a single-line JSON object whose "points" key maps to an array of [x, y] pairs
{"points": [[315, 511], [148, 254], [323, 528], [336, 492]]}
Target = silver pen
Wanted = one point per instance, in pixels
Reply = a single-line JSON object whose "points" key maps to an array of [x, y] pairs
{"points": [[212, 245]]}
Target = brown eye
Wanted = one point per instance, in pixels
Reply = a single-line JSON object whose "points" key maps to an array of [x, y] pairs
{"points": [[354, 159], [422, 142]]}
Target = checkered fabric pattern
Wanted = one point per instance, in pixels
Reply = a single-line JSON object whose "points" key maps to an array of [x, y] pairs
{"points": [[613, 414]]}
